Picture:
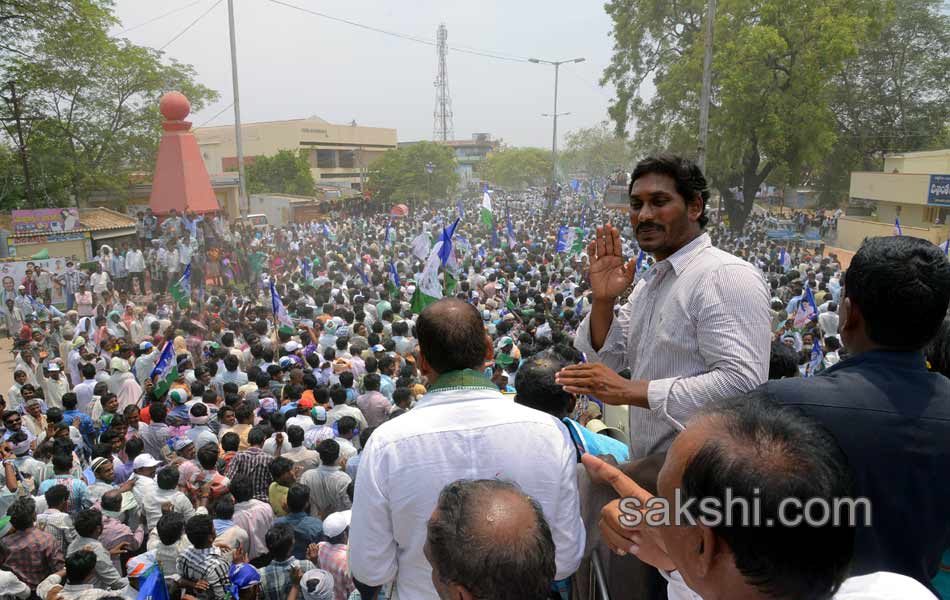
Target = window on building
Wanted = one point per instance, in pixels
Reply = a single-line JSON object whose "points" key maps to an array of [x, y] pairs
{"points": [[326, 159], [347, 159]]}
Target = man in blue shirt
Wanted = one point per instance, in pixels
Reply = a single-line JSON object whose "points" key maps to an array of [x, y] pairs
{"points": [[889, 414], [536, 389], [307, 529], [70, 414]]}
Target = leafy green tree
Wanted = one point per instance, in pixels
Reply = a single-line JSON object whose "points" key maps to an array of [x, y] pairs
{"points": [[400, 175], [91, 103], [773, 69], [595, 151], [891, 97], [517, 167], [284, 173]]}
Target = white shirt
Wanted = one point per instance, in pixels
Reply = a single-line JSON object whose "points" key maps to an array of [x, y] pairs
{"points": [[472, 433], [697, 327], [876, 586], [134, 261], [254, 517]]}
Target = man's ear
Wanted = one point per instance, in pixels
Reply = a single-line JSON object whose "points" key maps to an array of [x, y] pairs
{"points": [[706, 550], [457, 592], [490, 350]]}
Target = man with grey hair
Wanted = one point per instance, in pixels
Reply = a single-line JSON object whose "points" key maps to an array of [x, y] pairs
{"points": [[487, 539]]}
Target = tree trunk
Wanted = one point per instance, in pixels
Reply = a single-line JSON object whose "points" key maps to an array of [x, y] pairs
{"points": [[751, 177]]}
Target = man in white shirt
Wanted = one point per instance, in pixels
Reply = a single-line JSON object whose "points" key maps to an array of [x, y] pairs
{"points": [[463, 428], [748, 452], [135, 265], [696, 326], [165, 493]]}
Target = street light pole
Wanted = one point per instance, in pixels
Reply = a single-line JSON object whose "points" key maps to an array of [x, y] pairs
{"points": [[237, 114], [707, 87], [557, 66]]}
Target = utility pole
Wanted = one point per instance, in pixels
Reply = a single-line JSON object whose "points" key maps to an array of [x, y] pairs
{"points": [[14, 102], [557, 65], [237, 114], [707, 87]]}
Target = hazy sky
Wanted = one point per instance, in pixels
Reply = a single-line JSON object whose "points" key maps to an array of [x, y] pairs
{"points": [[294, 64]]}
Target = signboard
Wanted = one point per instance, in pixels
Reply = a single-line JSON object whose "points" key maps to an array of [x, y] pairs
{"points": [[46, 239], [12, 274], [45, 220], [617, 193], [938, 193]]}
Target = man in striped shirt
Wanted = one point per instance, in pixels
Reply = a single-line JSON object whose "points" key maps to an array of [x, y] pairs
{"points": [[695, 327]]}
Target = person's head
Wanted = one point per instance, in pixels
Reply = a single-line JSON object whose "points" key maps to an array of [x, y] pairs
{"points": [[57, 497], [537, 389], [371, 382], [896, 293], [208, 456], [103, 469], [242, 488], [295, 435], [298, 499], [280, 541], [244, 413], [157, 411], [402, 397], [783, 362], [88, 523], [329, 451], [200, 531], [753, 449], [487, 539], [256, 436], [230, 442], [62, 463], [69, 401], [170, 527], [451, 338], [668, 196], [231, 362], [346, 426], [80, 566], [282, 471], [224, 508], [88, 371], [168, 478], [112, 501]]}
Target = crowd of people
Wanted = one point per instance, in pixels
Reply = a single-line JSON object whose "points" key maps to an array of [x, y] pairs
{"points": [[291, 412]]}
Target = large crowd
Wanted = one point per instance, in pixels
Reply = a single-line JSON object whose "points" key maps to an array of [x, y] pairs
{"points": [[221, 410]]}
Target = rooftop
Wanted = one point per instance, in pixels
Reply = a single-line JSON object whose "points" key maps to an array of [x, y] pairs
{"points": [[90, 219]]}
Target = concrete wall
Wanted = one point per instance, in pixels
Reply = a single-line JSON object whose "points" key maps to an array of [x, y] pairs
{"points": [[937, 162], [904, 188], [853, 230]]}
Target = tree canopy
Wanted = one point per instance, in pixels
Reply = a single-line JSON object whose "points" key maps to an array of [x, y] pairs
{"points": [[774, 83], [517, 167], [86, 110], [596, 152], [286, 172], [400, 175]]}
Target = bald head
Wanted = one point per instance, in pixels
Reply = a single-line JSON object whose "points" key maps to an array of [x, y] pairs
{"points": [[452, 336], [488, 538]]}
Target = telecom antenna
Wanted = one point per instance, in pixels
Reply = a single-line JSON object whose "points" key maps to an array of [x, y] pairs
{"points": [[443, 128]]}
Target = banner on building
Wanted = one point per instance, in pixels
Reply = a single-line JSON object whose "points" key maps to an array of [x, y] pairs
{"points": [[45, 220], [939, 191]]}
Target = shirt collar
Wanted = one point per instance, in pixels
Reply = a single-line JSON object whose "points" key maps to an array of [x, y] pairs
{"points": [[682, 257], [465, 379]]}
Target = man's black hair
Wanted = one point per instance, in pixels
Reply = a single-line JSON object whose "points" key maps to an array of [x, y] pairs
{"points": [[295, 435], [256, 436], [452, 336], [56, 495], [242, 488], [783, 361], [280, 541], [199, 530], [686, 175], [208, 456], [901, 285], [537, 389], [520, 569], [346, 425], [170, 527], [763, 451], [87, 521], [329, 451], [279, 466], [298, 498], [79, 565], [371, 382], [168, 478], [224, 508], [230, 442]]}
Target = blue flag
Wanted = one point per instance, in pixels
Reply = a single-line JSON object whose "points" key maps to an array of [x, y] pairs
{"points": [[445, 251], [461, 211], [562, 243], [394, 276], [152, 585], [329, 233], [166, 359], [807, 308], [278, 307], [511, 230], [897, 226], [815, 360], [639, 262]]}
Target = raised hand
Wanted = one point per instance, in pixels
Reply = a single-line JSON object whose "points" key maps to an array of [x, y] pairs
{"points": [[610, 276]]}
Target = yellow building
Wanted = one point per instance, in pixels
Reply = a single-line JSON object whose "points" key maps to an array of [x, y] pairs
{"points": [[913, 187], [339, 155]]}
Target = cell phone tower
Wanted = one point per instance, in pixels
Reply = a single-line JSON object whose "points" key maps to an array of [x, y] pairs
{"points": [[443, 128]]}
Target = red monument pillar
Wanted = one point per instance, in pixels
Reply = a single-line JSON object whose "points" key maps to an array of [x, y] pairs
{"points": [[181, 180]]}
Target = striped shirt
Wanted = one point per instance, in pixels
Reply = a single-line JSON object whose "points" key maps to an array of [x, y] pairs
{"points": [[696, 326]]}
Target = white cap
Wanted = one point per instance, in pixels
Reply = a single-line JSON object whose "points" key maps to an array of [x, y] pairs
{"points": [[144, 461], [336, 523], [53, 368]]}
